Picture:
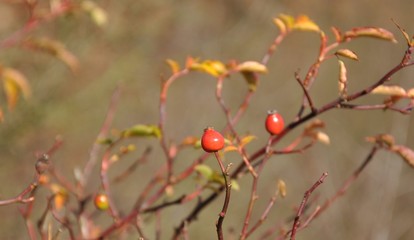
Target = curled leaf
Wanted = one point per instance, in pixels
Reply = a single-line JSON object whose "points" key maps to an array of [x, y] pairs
{"points": [[322, 137], [98, 14], [247, 139], [342, 81], [317, 123], [405, 153], [288, 20], [337, 33], [280, 24], [281, 188], [141, 130], [251, 79], [347, 53], [230, 148], [374, 32], [54, 48], [252, 66], [386, 139], [175, 67], [14, 84], [393, 90], [212, 67], [405, 34]]}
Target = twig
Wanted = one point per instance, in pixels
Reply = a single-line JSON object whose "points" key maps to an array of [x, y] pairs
{"points": [[305, 91], [133, 166], [302, 205], [226, 202], [103, 133]]}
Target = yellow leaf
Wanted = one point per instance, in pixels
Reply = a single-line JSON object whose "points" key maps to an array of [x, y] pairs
{"points": [[302, 22], [214, 68], [347, 53], [280, 24], [230, 148], [98, 15], [54, 48], [235, 185], [323, 138], [390, 90], [175, 67], [342, 82], [281, 187], [288, 20], [245, 140], [14, 83], [1, 115], [252, 66], [370, 32]]}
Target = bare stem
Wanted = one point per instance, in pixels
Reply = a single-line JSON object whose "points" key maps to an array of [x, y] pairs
{"points": [[302, 205], [227, 185]]}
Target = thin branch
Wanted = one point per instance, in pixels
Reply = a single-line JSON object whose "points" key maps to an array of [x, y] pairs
{"points": [[103, 133], [302, 205], [226, 202]]}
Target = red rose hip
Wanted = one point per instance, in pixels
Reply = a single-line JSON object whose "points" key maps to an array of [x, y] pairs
{"points": [[274, 122], [212, 141]]}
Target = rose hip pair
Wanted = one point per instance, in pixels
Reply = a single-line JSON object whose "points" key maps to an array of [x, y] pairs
{"points": [[213, 141]]}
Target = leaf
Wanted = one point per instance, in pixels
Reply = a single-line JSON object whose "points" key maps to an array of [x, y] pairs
{"points": [[14, 84], [393, 90], [214, 68], [247, 139], [337, 33], [386, 139], [54, 48], [281, 188], [410, 93], [280, 24], [230, 148], [405, 34], [175, 67], [1, 115], [288, 20], [406, 153], [189, 140], [303, 23], [323, 138], [141, 130], [98, 15], [342, 81], [347, 53], [104, 141], [235, 185], [315, 124], [374, 32], [252, 66], [251, 79]]}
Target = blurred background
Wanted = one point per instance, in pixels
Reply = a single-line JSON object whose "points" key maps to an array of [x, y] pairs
{"points": [[130, 52]]}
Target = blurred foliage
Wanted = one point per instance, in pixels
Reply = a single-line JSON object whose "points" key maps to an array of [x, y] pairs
{"points": [[126, 44]]}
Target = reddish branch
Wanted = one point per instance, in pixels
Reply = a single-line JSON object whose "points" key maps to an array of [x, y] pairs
{"points": [[302, 205]]}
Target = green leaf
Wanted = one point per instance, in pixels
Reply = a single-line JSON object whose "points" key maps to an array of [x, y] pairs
{"points": [[204, 170], [141, 130]]}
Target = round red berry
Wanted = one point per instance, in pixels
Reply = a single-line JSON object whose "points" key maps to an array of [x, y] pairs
{"points": [[274, 122], [101, 201], [212, 141]]}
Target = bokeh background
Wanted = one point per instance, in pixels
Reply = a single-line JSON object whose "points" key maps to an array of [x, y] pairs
{"points": [[130, 52]]}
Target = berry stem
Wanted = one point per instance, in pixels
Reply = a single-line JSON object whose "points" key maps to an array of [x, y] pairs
{"points": [[223, 212]]}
